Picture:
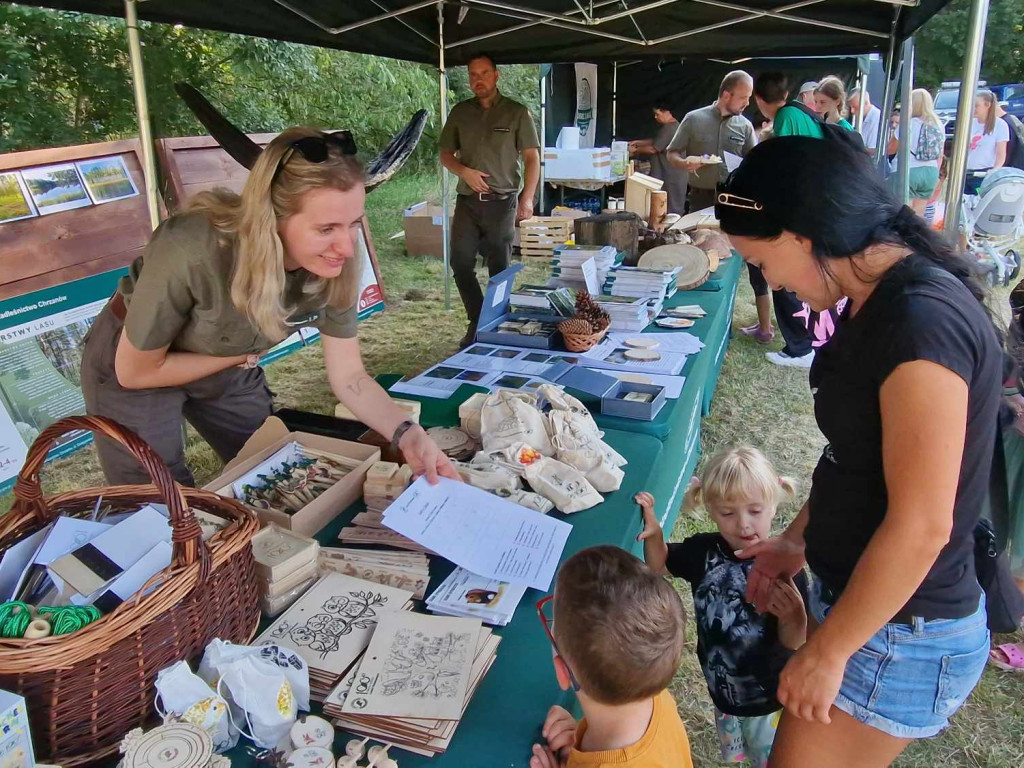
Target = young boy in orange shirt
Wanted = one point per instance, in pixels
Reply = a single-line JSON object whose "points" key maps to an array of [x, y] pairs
{"points": [[617, 641]]}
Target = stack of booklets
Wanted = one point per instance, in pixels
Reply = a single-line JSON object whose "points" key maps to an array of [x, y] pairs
{"points": [[332, 624], [415, 681], [543, 300], [628, 313], [642, 283], [466, 594], [403, 570], [566, 265]]}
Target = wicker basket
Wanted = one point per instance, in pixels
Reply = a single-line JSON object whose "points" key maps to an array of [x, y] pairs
{"points": [[581, 342], [84, 691]]}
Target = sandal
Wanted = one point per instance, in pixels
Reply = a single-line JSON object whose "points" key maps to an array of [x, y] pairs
{"points": [[1008, 656]]}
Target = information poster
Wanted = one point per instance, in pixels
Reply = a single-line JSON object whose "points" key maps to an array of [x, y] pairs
{"points": [[41, 337]]}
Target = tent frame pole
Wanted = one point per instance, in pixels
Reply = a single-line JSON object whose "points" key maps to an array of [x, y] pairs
{"points": [[543, 140], [906, 113], [862, 84], [888, 101], [964, 115], [615, 100], [442, 80], [131, 15]]}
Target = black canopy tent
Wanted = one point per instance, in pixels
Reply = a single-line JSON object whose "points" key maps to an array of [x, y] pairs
{"points": [[531, 31], [445, 32]]}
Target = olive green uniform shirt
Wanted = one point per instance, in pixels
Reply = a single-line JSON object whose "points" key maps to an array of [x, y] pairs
{"points": [[705, 132], [490, 140], [178, 295]]}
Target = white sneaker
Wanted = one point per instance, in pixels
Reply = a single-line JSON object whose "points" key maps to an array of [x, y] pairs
{"points": [[780, 358]]}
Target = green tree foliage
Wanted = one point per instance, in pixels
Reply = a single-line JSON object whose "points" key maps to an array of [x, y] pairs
{"points": [[65, 79], [940, 44]]}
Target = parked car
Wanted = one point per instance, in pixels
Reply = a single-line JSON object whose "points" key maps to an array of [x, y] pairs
{"points": [[1010, 95]]}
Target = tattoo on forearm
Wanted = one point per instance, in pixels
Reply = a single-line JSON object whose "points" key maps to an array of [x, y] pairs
{"points": [[357, 387]]}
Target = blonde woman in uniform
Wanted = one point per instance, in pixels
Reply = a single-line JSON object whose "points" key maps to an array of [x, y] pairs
{"points": [[225, 281]]}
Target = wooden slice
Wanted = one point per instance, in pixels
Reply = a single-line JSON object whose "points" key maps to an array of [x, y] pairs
{"points": [[175, 745], [695, 264]]}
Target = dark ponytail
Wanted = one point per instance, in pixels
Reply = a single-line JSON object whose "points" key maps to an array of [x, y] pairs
{"points": [[831, 194]]}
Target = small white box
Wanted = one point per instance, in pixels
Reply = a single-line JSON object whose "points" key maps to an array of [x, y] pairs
{"points": [[15, 738], [577, 164]]}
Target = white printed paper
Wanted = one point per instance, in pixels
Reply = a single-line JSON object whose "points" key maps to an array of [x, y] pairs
{"points": [[732, 161], [480, 532], [682, 342], [589, 268]]}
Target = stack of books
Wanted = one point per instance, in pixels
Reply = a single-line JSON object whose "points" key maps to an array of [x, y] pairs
{"points": [[415, 681], [566, 264], [287, 565], [628, 313], [542, 300], [332, 624], [465, 594], [642, 283]]}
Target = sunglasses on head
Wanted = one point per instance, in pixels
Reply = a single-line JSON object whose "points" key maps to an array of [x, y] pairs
{"points": [[316, 149]]}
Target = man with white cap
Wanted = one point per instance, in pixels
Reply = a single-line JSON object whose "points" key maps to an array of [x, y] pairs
{"points": [[806, 94]]}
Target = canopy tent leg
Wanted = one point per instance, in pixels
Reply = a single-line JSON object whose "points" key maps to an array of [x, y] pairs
{"points": [[957, 169], [888, 103], [543, 139], [906, 87], [442, 79], [615, 100], [142, 108]]}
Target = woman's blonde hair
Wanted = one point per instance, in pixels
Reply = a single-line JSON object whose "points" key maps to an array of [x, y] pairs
{"points": [[922, 106], [989, 98], [739, 473], [833, 87], [247, 224]]}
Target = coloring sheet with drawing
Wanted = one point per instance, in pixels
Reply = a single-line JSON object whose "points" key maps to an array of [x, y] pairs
{"points": [[332, 623], [416, 666]]}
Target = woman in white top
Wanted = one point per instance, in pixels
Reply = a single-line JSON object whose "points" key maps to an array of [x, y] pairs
{"points": [[988, 141], [926, 145]]}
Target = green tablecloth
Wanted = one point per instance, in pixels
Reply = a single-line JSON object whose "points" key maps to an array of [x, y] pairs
{"points": [[504, 717]]}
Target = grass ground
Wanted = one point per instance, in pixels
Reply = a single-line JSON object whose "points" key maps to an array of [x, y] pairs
{"points": [[755, 402]]}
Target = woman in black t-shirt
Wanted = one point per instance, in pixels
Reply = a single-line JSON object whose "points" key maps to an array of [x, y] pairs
{"points": [[906, 393]]}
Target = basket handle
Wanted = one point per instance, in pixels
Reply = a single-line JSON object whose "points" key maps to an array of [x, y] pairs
{"points": [[187, 536]]}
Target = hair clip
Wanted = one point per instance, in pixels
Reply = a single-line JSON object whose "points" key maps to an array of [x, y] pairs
{"points": [[735, 201]]}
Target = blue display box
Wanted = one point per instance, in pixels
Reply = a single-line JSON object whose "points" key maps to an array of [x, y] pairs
{"points": [[615, 404], [495, 312]]}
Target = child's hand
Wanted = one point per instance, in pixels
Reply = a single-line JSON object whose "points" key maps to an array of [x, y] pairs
{"points": [[785, 601], [560, 733], [651, 525]]}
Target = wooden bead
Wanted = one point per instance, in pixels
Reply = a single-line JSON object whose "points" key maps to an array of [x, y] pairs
{"points": [[37, 629]]}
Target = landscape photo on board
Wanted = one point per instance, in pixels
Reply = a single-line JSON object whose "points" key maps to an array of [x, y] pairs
{"points": [[107, 179], [56, 188], [14, 203]]}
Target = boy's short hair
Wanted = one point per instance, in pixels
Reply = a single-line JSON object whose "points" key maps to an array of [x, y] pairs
{"points": [[618, 625], [771, 87]]}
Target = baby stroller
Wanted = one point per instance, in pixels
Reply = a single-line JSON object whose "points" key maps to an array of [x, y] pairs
{"points": [[994, 222]]}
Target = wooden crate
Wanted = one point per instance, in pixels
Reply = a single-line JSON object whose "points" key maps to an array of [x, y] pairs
{"points": [[540, 235]]}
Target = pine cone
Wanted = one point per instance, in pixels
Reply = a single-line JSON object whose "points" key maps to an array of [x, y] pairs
{"points": [[575, 325], [584, 303]]}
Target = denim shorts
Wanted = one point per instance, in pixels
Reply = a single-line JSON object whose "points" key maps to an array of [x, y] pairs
{"points": [[909, 679]]}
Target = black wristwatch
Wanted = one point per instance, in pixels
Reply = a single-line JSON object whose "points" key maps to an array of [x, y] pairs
{"points": [[400, 430]]}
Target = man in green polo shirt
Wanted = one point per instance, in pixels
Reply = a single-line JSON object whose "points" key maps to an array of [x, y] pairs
{"points": [[714, 130], [481, 143]]}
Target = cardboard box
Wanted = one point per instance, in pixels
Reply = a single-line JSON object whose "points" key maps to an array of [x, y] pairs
{"points": [[15, 738], [577, 164], [273, 436], [424, 234]]}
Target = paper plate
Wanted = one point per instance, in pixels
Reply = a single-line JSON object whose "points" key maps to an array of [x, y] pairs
{"points": [[674, 322], [695, 266], [642, 342], [642, 355], [175, 745]]}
